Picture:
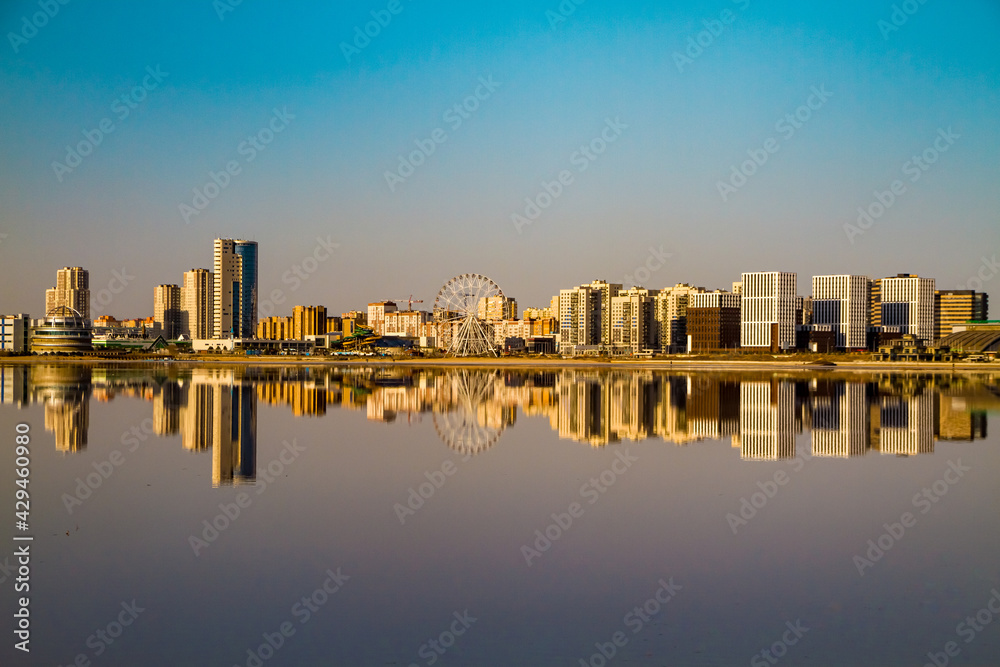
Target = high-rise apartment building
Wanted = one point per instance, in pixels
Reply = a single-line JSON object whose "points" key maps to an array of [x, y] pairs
{"points": [[953, 307], [197, 304], [376, 315], [235, 299], [908, 303], [713, 321], [497, 308], [843, 303], [633, 326], [249, 302], [167, 310], [767, 310], [579, 316], [72, 290], [671, 316]]}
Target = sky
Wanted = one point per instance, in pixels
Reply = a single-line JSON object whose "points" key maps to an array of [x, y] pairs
{"points": [[543, 145]]}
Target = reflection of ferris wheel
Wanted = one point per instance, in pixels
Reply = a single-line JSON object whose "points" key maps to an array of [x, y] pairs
{"points": [[458, 303], [462, 428]]}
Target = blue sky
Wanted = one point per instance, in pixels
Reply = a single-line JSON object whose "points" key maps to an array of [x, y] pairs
{"points": [[348, 122]]}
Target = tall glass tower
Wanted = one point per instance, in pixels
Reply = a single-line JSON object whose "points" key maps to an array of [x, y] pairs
{"points": [[247, 250]]}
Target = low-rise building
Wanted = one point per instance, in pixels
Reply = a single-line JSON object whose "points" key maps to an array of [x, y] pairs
{"points": [[14, 333]]}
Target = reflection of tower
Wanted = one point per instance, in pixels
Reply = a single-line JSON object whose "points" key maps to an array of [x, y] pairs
{"points": [[767, 420], [839, 418], [234, 434], [907, 424], [633, 405], [584, 410], [166, 409], [65, 392], [671, 409], [196, 416], [713, 409]]}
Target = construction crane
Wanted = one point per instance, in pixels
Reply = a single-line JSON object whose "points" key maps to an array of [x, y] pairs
{"points": [[409, 302]]}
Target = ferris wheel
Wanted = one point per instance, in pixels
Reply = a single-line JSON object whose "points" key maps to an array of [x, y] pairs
{"points": [[458, 303]]}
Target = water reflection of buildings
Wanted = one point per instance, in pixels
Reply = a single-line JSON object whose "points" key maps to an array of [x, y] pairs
{"points": [[906, 424], [767, 420], [839, 419], [216, 409]]}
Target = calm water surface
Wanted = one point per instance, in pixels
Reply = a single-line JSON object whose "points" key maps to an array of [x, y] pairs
{"points": [[262, 516]]}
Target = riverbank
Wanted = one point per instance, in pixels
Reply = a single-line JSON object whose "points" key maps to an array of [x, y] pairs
{"points": [[679, 363]]}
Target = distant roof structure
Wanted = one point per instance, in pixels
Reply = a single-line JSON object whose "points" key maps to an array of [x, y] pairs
{"points": [[973, 340]]}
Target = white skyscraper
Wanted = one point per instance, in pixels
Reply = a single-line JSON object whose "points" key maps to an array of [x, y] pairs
{"points": [[842, 303], [767, 310], [908, 302]]}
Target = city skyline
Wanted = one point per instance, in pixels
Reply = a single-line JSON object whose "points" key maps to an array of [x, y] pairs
{"points": [[720, 135]]}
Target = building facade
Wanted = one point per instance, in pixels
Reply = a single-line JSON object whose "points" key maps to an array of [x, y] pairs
{"points": [[197, 304], [633, 325], [235, 295], [955, 307], [14, 333], [767, 310], [72, 290], [842, 302], [308, 321], [713, 321], [908, 302], [376, 315], [671, 316], [167, 310], [497, 308]]}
